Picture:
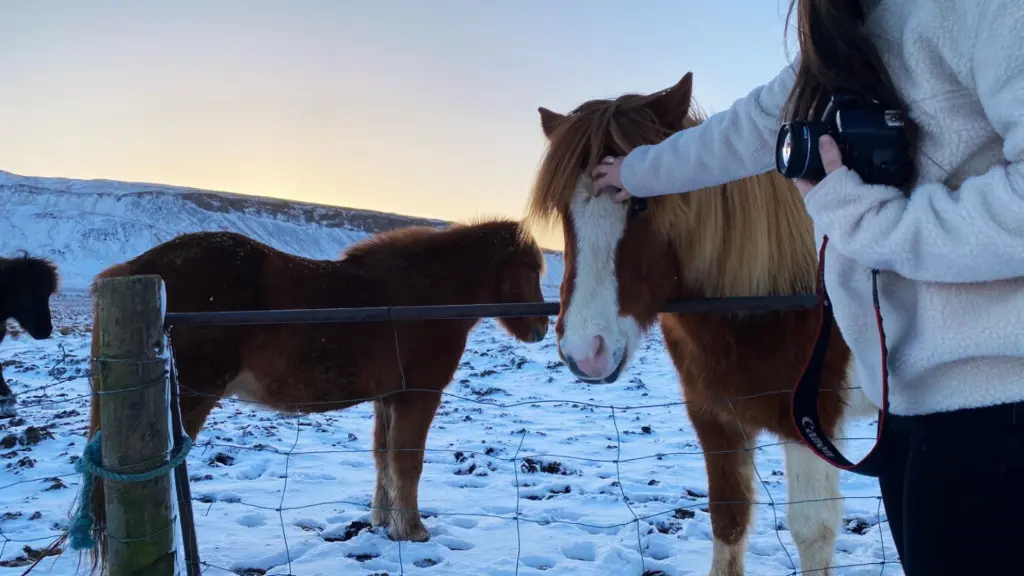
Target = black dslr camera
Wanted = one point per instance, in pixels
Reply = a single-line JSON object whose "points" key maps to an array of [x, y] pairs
{"points": [[870, 138]]}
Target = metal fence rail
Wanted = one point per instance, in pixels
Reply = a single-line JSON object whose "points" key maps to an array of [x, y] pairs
{"points": [[471, 311]]}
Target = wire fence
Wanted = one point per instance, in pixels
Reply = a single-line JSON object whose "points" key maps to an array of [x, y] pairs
{"points": [[521, 462]]}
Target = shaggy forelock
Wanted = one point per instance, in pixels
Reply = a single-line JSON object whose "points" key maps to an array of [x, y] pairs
{"points": [[593, 130], [39, 273]]}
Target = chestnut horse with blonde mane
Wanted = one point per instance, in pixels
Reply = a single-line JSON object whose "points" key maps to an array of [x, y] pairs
{"points": [[306, 368], [750, 237]]}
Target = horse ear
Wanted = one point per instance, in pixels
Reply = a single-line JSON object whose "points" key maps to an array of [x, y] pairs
{"points": [[673, 104], [549, 120]]}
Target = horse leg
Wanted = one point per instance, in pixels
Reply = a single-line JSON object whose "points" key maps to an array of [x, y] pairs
{"points": [[6, 396], [814, 509], [411, 415], [730, 471], [382, 492]]}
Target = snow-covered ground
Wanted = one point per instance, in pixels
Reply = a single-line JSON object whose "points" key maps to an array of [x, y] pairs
{"points": [[520, 475]]}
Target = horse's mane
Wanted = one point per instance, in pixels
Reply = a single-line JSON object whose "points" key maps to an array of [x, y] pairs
{"points": [[497, 236], [23, 267], [747, 237]]}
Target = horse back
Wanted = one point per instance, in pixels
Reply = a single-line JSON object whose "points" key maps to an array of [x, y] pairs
{"points": [[202, 271]]}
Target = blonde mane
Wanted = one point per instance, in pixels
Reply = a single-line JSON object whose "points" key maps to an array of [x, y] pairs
{"points": [[747, 237]]}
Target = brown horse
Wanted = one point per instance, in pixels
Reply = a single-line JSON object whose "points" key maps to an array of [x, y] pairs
{"points": [[750, 237], [26, 284], [321, 367]]}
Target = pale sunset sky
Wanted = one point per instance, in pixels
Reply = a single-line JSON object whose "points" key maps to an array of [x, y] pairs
{"points": [[421, 107]]}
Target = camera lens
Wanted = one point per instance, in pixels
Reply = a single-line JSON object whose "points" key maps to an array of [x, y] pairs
{"points": [[789, 155], [796, 150], [786, 148]]}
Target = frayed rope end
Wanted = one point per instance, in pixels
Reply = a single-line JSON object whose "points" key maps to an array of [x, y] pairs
{"points": [[80, 532]]}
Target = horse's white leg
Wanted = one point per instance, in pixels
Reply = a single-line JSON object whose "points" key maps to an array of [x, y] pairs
{"points": [[815, 508], [727, 559]]}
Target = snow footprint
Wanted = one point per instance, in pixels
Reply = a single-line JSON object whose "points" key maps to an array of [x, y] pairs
{"points": [[583, 551], [463, 522], [451, 543], [252, 520], [538, 562], [253, 471]]}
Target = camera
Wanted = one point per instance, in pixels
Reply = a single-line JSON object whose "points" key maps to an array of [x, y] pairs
{"points": [[870, 138]]}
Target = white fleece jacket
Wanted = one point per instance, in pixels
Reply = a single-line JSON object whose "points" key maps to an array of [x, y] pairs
{"points": [[952, 255]]}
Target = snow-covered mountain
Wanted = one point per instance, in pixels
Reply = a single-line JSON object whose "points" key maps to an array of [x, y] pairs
{"points": [[87, 225]]}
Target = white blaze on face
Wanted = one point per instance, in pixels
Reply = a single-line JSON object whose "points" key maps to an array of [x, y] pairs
{"points": [[596, 340]]}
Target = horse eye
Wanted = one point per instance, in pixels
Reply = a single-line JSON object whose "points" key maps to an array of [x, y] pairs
{"points": [[636, 206]]}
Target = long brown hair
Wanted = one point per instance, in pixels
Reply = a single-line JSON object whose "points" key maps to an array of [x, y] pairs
{"points": [[836, 55]]}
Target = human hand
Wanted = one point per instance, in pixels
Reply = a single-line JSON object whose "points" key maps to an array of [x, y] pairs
{"points": [[831, 160], [607, 177]]}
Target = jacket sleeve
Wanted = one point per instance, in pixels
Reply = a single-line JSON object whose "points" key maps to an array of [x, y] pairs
{"points": [[974, 233], [732, 144]]}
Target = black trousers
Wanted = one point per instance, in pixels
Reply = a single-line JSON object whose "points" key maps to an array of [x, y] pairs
{"points": [[954, 491]]}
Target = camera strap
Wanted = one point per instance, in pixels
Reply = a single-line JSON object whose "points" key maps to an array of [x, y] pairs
{"points": [[804, 407]]}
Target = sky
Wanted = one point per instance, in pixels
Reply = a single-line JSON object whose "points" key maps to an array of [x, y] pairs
{"points": [[421, 107]]}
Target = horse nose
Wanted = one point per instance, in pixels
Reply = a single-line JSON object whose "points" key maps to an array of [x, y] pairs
{"points": [[41, 332], [540, 331], [592, 364]]}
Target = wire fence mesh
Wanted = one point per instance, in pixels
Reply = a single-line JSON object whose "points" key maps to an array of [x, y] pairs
{"points": [[638, 511]]}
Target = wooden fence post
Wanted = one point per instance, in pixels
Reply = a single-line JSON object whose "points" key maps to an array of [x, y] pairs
{"points": [[134, 412]]}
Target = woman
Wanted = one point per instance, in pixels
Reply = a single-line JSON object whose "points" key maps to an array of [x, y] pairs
{"points": [[950, 249]]}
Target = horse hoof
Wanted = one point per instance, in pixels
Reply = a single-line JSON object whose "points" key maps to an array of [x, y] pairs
{"points": [[412, 533]]}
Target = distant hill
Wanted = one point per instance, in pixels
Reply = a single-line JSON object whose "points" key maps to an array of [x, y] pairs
{"points": [[87, 225]]}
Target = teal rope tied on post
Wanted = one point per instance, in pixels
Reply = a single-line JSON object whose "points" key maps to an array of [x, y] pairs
{"points": [[91, 464]]}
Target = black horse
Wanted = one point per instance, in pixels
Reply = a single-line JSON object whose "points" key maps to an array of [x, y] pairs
{"points": [[26, 284]]}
